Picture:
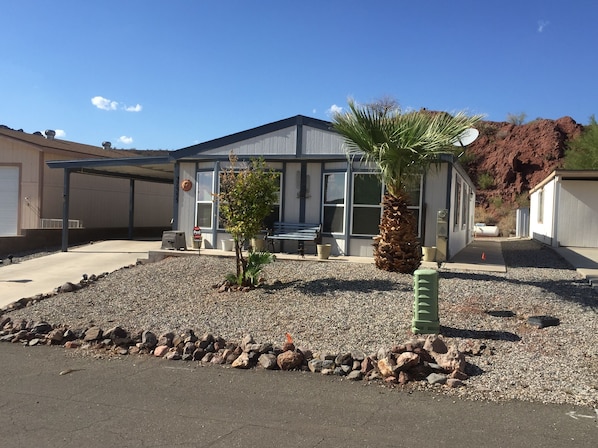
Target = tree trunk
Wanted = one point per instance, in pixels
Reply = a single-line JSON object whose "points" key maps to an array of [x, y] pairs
{"points": [[397, 248]]}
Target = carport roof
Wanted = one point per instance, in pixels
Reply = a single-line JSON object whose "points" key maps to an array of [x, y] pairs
{"points": [[158, 169]]}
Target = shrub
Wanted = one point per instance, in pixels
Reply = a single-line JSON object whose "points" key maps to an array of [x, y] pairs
{"points": [[485, 181], [516, 118]]}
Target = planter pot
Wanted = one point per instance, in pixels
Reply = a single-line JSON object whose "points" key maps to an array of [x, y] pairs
{"points": [[258, 244], [228, 245], [429, 253], [324, 251]]}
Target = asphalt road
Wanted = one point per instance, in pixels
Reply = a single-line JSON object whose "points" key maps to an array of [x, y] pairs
{"points": [[140, 401]]}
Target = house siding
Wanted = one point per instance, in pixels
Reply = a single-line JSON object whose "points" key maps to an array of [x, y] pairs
{"points": [[577, 217], [308, 150], [97, 201]]}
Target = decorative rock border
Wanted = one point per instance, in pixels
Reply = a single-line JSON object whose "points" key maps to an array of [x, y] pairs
{"points": [[421, 359]]}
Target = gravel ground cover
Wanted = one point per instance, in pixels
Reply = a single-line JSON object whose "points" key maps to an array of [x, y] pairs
{"points": [[340, 306]]}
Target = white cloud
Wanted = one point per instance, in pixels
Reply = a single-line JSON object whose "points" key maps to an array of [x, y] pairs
{"points": [[126, 140], [542, 24], [104, 103], [334, 109], [136, 108], [60, 133]]}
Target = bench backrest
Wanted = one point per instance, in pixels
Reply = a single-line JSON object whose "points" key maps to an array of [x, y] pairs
{"points": [[295, 227]]}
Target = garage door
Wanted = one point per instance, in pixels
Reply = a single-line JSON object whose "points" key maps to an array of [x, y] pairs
{"points": [[9, 200]]}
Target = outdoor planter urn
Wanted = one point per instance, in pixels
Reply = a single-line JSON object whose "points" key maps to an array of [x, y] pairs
{"points": [[324, 251], [228, 245], [429, 253]]}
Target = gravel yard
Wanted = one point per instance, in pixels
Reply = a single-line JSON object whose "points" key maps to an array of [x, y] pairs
{"points": [[342, 306]]}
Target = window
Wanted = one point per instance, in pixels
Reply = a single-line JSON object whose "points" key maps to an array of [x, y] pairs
{"points": [[413, 186], [275, 213], [271, 218], [204, 199], [465, 207], [367, 204], [540, 216], [458, 202], [334, 203]]}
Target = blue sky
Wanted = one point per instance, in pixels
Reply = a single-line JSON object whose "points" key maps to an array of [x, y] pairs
{"points": [[152, 74]]}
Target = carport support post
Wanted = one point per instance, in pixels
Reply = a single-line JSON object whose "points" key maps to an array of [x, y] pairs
{"points": [[65, 210], [131, 207]]}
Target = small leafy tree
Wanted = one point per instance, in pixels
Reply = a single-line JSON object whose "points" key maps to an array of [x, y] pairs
{"points": [[582, 152], [516, 118], [246, 197]]}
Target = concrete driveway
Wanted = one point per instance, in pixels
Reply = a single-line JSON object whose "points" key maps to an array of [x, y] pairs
{"points": [[43, 274]]}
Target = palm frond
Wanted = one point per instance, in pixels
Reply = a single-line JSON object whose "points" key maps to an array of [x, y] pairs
{"points": [[400, 144]]}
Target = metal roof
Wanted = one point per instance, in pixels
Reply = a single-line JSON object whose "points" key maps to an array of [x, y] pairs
{"points": [[151, 169]]}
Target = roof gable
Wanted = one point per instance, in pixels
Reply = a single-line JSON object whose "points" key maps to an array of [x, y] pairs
{"points": [[280, 138]]}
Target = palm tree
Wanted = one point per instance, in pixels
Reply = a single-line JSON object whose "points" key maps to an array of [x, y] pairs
{"points": [[402, 146]]}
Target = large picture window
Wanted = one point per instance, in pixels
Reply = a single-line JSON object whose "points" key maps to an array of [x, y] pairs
{"points": [[367, 204], [204, 199], [334, 203], [271, 218]]}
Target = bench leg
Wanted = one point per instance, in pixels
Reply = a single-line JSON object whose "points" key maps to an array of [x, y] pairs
{"points": [[272, 245], [302, 248]]}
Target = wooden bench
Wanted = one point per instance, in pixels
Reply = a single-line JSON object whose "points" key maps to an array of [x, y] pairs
{"points": [[295, 231]]}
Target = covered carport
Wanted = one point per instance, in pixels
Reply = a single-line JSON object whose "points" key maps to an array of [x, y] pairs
{"points": [[157, 169]]}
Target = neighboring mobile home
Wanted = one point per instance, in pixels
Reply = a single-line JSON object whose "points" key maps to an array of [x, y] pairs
{"points": [[31, 194], [564, 209], [319, 184]]}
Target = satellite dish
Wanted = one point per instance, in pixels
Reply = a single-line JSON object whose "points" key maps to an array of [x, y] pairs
{"points": [[466, 137]]}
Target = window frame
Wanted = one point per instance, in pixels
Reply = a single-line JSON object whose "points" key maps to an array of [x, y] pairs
{"points": [[342, 206], [365, 206], [275, 204]]}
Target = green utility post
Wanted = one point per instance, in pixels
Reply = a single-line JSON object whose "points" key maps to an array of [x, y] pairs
{"points": [[425, 307]]}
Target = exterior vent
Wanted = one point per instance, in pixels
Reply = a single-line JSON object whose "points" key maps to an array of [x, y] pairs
{"points": [[47, 223], [50, 134], [106, 145]]}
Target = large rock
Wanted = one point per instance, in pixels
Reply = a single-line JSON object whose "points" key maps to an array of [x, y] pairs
{"points": [[406, 360], [41, 328], [289, 360], [56, 336], [166, 339], [435, 344], [116, 333], [267, 361], [149, 339], [161, 350], [386, 366], [453, 359], [315, 365], [93, 334], [242, 361]]}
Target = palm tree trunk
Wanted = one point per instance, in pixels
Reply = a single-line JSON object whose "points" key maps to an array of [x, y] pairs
{"points": [[397, 247]]}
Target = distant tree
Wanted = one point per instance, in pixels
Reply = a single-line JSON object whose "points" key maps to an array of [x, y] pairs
{"points": [[246, 197], [516, 118], [582, 152]]}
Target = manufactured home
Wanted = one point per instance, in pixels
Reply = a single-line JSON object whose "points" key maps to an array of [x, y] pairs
{"points": [[320, 184]]}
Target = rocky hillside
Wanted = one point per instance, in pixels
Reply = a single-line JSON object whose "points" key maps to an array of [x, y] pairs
{"points": [[507, 160]]}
